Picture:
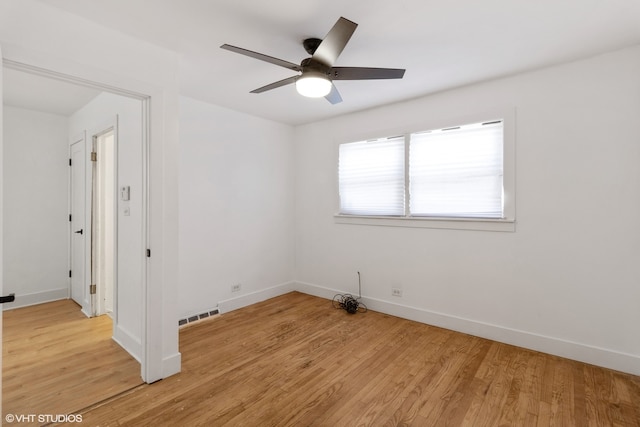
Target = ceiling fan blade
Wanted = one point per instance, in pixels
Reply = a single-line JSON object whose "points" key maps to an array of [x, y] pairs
{"points": [[277, 84], [363, 73], [262, 57], [334, 42], [334, 96]]}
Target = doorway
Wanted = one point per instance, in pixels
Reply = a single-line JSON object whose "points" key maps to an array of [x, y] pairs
{"points": [[150, 315], [55, 200], [104, 221], [94, 220]]}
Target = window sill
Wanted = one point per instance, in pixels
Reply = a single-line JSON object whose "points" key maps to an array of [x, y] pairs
{"points": [[507, 225]]}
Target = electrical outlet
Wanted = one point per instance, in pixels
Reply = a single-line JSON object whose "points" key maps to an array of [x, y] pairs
{"points": [[236, 287], [396, 292]]}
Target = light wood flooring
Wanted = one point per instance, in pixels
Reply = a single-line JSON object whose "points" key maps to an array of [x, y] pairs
{"points": [[57, 361], [296, 361]]}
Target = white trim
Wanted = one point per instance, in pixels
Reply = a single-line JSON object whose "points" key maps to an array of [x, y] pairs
{"points": [[171, 364], [79, 81], [422, 222], [255, 297], [93, 133], [607, 358], [26, 300], [127, 341]]}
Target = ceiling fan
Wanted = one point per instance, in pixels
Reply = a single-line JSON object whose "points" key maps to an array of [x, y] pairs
{"points": [[317, 72]]}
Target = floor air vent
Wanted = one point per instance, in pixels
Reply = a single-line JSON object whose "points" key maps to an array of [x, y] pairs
{"points": [[197, 317]]}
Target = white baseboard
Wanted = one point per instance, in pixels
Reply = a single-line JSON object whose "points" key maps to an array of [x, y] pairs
{"points": [[572, 350], [130, 343], [255, 297], [25, 300], [171, 365]]}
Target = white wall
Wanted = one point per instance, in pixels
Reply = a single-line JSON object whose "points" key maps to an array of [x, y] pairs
{"points": [[34, 179], [566, 281], [236, 205], [41, 36], [94, 117]]}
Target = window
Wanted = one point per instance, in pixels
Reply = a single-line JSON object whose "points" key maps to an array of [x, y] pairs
{"points": [[457, 172], [371, 177], [454, 173]]}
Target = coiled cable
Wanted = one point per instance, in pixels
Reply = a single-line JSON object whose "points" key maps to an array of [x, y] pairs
{"points": [[348, 302]]}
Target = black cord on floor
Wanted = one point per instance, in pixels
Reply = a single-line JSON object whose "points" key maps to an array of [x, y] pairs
{"points": [[348, 303]]}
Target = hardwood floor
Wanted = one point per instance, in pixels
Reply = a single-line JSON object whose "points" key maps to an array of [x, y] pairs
{"points": [[57, 361], [296, 361]]}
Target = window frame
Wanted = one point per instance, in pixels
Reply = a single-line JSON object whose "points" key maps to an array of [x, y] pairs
{"points": [[506, 223]]}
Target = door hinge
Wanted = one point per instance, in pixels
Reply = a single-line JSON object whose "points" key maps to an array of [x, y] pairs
{"points": [[69, 162], [94, 156], [69, 273], [92, 289], [69, 217], [148, 253]]}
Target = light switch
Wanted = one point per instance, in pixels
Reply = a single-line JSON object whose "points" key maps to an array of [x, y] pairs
{"points": [[125, 193]]}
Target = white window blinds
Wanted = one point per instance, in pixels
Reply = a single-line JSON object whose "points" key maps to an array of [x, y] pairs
{"points": [[457, 172], [371, 177]]}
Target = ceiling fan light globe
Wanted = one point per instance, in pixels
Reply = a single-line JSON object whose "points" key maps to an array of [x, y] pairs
{"points": [[313, 86]]}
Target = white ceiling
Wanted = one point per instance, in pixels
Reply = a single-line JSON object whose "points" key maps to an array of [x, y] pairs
{"points": [[442, 44], [34, 92]]}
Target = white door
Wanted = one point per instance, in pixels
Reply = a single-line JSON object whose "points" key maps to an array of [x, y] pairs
{"points": [[80, 230]]}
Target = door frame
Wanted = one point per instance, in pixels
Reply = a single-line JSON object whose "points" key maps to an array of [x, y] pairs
{"points": [[111, 126], [92, 305], [160, 357]]}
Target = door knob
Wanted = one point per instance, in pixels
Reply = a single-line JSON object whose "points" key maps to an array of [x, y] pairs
{"points": [[79, 231]]}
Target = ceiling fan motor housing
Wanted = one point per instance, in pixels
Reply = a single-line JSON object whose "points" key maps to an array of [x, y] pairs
{"points": [[309, 64]]}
